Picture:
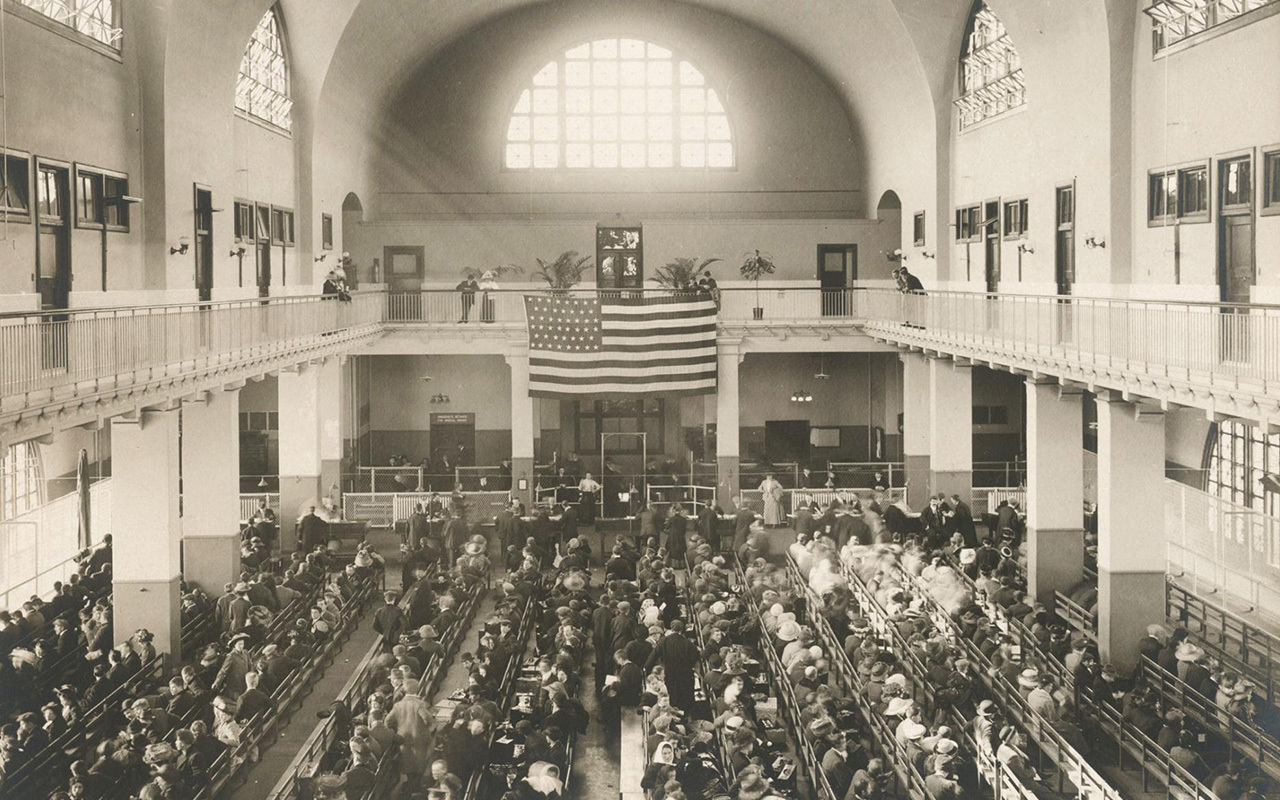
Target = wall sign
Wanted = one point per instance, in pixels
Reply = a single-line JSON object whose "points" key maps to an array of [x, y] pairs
{"points": [[453, 419]]}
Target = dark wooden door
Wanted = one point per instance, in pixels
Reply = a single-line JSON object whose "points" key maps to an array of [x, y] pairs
{"points": [[53, 267], [1237, 271], [204, 243], [991, 243], [1065, 239], [837, 270], [262, 216]]}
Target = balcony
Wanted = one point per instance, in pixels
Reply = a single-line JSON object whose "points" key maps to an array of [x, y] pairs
{"points": [[67, 368], [72, 367]]}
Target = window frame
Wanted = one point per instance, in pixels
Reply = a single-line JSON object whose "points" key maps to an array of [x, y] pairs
{"points": [[277, 225], [73, 34], [598, 413], [919, 233], [1269, 157], [100, 178], [326, 231], [1203, 215], [1021, 208], [561, 141], [282, 34], [966, 218], [258, 210], [1167, 216], [15, 213], [1220, 179], [244, 208]]}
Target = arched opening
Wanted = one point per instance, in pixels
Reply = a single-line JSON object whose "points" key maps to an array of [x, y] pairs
{"points": [[361, 269], [889, 216]]}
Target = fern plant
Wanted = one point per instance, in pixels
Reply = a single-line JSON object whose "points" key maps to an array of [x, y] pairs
{"points": [[681, 275], [564, 272], [754, 267]]}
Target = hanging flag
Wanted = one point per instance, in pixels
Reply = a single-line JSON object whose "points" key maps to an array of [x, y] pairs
{"points": [[615, 344]]}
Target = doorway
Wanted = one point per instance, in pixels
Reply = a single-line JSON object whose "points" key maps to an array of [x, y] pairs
{"points": [[53, 247], [453, 445], [262, 215], [405, 269], [1236, 268], [837, 270], [204, 243], [1064, 256], [786, 441], [53, 259], [991, 243]]}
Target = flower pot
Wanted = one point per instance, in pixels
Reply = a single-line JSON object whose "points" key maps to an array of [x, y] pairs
{"points": [[757, 313]]}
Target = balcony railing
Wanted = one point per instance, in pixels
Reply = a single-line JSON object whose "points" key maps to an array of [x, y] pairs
{"points": [[1234, 346], [121, 346]]}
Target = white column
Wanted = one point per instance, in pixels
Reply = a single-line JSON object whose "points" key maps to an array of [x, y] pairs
{"points": [[146, 529], [1055, 489], [916, 428], [950, 428], [728, 359], [522, 424], [1131, 537], [211, 490], [329, 395], [299, 408]]}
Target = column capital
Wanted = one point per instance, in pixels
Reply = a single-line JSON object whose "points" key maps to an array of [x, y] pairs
{"points": [[517, 354]]}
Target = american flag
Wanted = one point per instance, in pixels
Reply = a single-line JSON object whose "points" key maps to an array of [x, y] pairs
{"points": [[621, 345]]}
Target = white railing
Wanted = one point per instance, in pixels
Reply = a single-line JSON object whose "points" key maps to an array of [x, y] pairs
{"points": [[114, 347], [249, 504], [1231, 346], [385, 509], [37, 548]]}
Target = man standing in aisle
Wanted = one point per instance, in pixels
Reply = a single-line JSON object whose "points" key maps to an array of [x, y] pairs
{"points": [[678, 657], [588, 491]]}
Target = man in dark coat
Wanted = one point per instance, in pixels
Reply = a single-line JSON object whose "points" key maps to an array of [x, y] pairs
{"points": [[507, 527], [390, 620], [312, 531], [679, 657], [742, 520], [962, 521], [602, 639], [677, 531]]}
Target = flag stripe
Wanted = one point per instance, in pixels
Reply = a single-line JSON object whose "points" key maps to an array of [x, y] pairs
{"points": [[621, 345]]}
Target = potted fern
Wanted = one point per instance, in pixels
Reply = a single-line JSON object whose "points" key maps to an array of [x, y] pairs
{"points": [[564, 272], [681, 275], [754, 267]]}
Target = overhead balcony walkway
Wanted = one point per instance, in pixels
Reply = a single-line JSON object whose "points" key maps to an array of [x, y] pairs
{"points": [[67, 368], [1219, 357]]}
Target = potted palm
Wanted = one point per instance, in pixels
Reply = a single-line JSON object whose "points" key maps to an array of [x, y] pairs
{"points": [[681, 275], [564, 272], [753, 267]]}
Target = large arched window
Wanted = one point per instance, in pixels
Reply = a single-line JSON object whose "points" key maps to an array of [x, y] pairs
{"points": [[991, 80], [1244, 466], [263, 88], [619, 103]]}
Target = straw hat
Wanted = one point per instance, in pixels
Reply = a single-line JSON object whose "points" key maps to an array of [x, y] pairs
{"points": [[1029, 678], [473, 548], [913, 731], [789, 631], [1188, 651], [899, 707]]}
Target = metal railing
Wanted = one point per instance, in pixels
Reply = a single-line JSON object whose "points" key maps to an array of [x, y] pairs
{"points": [[1220, 344], [38, 548], [111, 347]]}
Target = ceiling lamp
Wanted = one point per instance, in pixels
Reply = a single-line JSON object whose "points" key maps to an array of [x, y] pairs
{"points": [[801, 397]]}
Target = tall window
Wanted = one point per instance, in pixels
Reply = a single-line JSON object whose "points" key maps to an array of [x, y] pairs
{"points": [[1178, 193], [19, 480], [15, 186], [620, 416], [263, 88], [97, 19], [619, 103], [1244, 466], [991, 81]]}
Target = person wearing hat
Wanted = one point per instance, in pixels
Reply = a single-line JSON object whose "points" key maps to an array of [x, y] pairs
{"points": [[235, 666], [679, 658], [836, 763], [1188, 656]]}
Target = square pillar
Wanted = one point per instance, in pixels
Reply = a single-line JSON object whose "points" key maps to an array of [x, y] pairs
{"points": [[950, 428], [146, 529], [916, 428], [330, 395], [211, 491], [1055, 489], [1131, 536], [728, 358], [299, 407], [522, 425]]}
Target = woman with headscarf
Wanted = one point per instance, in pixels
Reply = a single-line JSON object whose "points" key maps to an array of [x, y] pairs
{"points": [[488, 283]]}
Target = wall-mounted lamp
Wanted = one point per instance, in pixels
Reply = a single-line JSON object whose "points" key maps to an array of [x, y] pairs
{"points": [[1093, 242], [440, 399], [896, 255], [927, 254], [1026, 247], [184, 244], [321, 257], [238, 252]]}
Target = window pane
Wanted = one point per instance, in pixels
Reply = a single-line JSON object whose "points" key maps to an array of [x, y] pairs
{"points": [[693, 155], [693, 128], [547, 76], [660, 154], [690, 76], [718, 128], [577, 155], [631, 48], [519, 156], [546, 129], [604, 73], [633, 129], [660, 129], [633, 101], [518, 129], [719, 155], [605, 155], [577, 129], [633, 154]]}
